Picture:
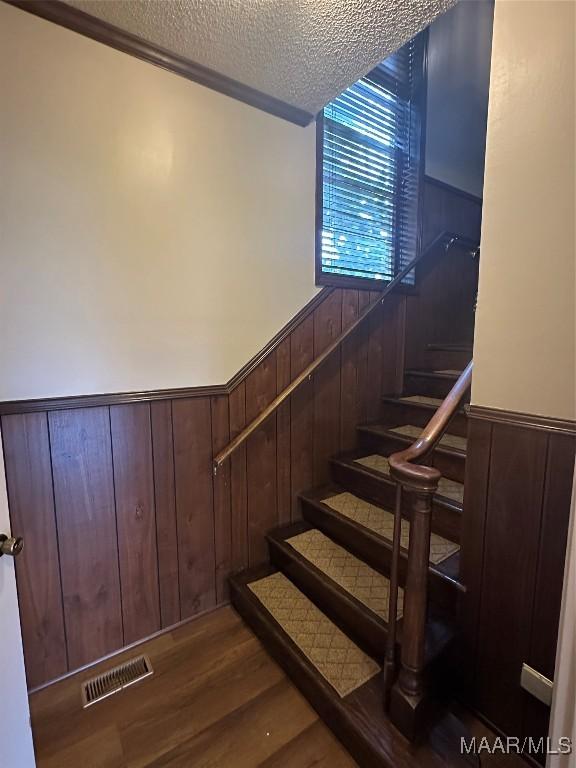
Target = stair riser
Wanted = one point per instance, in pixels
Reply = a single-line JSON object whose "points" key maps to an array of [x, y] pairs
{"points": [[310, 683], [451, 465], [429, 386], [373, 550], [353, 619], [396, 414], [446, 520]]}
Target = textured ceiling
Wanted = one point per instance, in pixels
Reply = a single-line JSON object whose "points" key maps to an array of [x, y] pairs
{"points": [[303, 52]]}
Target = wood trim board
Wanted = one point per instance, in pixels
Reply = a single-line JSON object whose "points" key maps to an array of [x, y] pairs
{"points": [[83, 23]]}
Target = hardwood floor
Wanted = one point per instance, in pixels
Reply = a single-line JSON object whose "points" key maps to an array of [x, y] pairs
{"points": [[216, 699]]}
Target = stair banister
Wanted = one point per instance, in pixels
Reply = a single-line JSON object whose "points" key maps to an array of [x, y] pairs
{"points": [[447, 239], [406, 697]]}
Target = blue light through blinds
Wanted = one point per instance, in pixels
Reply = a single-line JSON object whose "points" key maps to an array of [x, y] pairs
{"points": [[371, 143]]}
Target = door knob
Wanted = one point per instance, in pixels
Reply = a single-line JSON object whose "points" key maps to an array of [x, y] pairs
{"points": [[10, 545]]}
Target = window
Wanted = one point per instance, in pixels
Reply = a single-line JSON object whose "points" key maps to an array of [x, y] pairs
{"points": [[368, 190]]}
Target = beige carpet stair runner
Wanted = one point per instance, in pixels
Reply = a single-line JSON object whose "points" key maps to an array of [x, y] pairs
{"points": [[446, 441], [340, 662], [356, 577], [381, 522], [423, 399], [448, 488]]}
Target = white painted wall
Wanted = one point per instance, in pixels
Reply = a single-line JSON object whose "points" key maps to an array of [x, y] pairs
{"points": [[153, 233], [525, 344]]}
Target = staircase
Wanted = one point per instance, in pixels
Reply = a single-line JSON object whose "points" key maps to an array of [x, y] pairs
{"points": [[321, 606]]}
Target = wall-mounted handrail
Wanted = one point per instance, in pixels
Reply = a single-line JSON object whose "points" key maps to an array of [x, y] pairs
{"points": [[422, 482], [447, 239]]}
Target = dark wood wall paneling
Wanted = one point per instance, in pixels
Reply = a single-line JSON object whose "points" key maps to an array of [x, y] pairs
{"points": [[127, 530], [441, 313], [517, 501]]}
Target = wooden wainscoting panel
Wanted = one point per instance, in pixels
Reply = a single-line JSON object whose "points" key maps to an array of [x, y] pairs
{"points": [[519, 475], [147, 534], [447, 209], [327, 327], [549, 574], [362, 348], [238, 479], [165, 501], [261, 460], [302, 414], [86, 517], [393, 344], [472, 550], [135, 519], [283, 416], [222, 500], [552, 552], [431, 318], [515, 494], [29, 478], [375, 362], [194, 504], [349, 393]]}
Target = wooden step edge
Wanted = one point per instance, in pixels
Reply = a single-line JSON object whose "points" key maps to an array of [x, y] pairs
{"points": [[397, 400], [348, 460], [450, 347], [377, 430], [430, 374], [357, 720], [352, 535]]}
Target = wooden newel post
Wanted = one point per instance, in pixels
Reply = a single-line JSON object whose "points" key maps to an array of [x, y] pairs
{"points": [[415, 601], [408, 699]]}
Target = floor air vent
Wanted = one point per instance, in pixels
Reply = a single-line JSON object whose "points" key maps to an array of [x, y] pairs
{"points": [[115, 680]]}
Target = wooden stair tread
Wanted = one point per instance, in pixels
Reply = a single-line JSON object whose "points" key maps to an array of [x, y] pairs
{"points": [[358, 718], [375, 549], [447, 489], [450, 444], [425, 402], [333, 654], [381, 522], [354, 595], [416, 410], [353, 575], [446, 441], [450, 346], [450, 374], [436, 402]]}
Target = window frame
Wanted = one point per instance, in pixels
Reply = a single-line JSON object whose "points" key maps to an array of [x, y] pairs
{"points": [[348, 281]]}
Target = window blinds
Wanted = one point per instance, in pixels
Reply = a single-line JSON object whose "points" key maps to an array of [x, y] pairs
{"points": [[370, 170]]}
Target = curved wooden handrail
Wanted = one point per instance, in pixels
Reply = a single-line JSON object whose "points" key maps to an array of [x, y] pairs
{"points": [[402, 464], [448, 239]]}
